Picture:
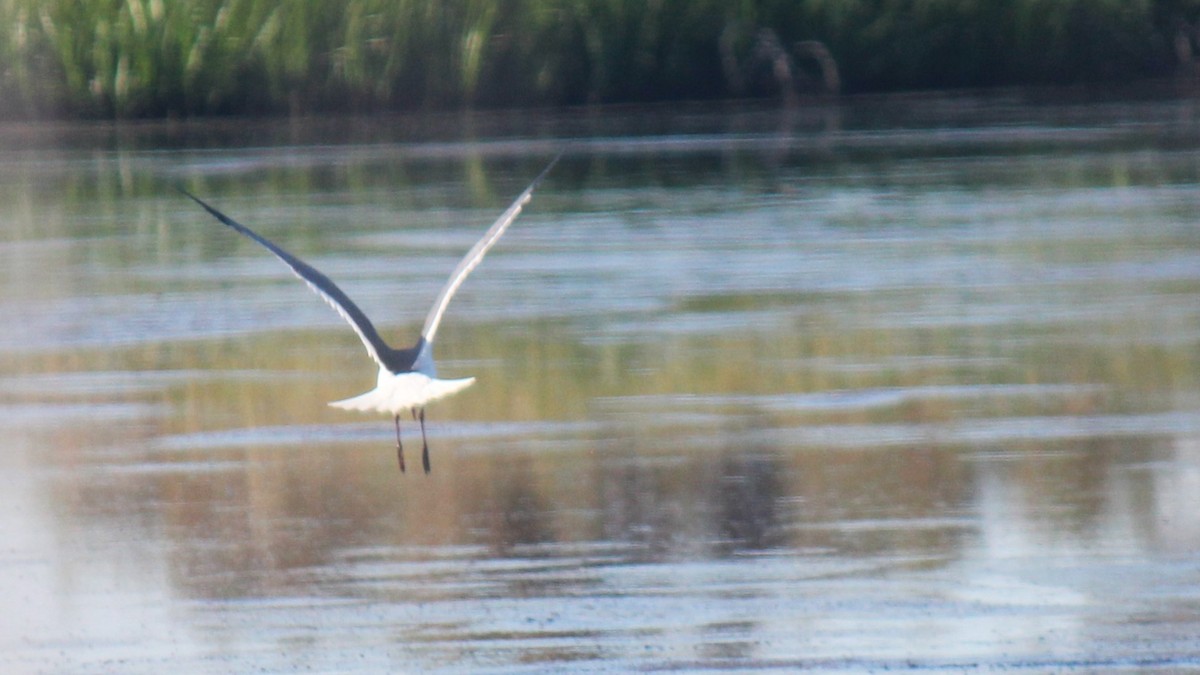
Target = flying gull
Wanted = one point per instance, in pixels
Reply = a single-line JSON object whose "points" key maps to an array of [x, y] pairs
{"points": [[407, 377]]}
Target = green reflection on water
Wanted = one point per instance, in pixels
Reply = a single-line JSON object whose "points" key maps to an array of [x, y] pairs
{"points": [[907, 299], [726, 390]]}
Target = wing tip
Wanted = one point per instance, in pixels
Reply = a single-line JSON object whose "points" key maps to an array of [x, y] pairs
{"points": [[546, 170], [184, 191]]}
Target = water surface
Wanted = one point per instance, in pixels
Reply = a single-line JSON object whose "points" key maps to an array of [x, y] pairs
{"points": [[904, 383]]}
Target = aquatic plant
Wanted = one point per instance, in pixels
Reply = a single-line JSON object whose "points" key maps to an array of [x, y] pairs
{"points": [[139, 58]]}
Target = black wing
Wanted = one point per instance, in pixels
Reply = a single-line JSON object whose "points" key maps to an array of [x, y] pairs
{"points": [[319, 283]]}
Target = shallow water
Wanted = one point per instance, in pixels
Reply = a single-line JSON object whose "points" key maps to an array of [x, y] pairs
{"points": [[906, 383]]}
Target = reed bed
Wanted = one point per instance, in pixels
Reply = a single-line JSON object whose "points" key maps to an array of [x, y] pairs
{"points": [[153, 58]]}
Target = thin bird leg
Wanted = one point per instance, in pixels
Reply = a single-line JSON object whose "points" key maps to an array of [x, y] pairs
{"points": [[399, 445], [424, 444]]}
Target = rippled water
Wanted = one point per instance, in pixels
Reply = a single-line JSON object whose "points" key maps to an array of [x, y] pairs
{"points": [[905, 383]]}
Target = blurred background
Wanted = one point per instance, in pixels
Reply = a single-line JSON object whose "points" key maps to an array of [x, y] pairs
{"points": [[155, 58], [786, 366]]}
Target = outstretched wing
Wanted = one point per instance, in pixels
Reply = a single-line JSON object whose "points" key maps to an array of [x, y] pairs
{"points": [[475, 255], [319, 283]]}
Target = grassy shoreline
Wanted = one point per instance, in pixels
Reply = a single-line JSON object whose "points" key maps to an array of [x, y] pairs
{"points": [[171, 58]]}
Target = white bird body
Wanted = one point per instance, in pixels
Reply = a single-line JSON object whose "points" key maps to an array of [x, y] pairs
{"points": [[395, 393], [407, 377]]}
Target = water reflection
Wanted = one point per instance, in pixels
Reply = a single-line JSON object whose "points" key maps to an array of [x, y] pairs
{"points": [[748, 497], [892, 396]]}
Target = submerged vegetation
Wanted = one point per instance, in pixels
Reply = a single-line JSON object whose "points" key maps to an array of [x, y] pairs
{"points": [[145, 58]]}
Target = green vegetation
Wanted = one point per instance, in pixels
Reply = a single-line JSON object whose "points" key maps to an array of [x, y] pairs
{"points": [[146, 58]]}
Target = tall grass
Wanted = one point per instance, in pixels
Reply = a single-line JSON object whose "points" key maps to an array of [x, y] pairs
{"points": [[138, 58]]}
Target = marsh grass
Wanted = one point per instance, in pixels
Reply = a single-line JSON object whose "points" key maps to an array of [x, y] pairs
{"points": [[147, 58]]}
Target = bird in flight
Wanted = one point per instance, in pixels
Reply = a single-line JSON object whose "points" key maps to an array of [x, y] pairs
{"points": [[407, 377]]}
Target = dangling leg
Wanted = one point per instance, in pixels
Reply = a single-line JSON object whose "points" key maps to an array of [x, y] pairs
{"points": [[399, 444], [424, 444]]}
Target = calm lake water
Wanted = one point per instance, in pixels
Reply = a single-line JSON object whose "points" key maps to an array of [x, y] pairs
{"points": [[905, 383]]}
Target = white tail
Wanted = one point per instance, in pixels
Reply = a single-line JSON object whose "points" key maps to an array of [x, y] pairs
{"points": [[395, 394]]}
